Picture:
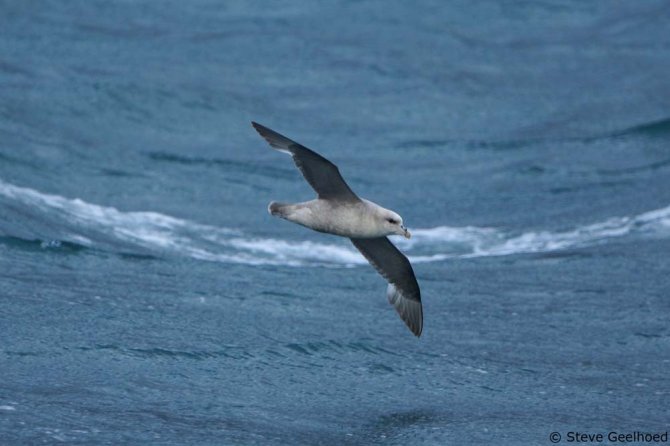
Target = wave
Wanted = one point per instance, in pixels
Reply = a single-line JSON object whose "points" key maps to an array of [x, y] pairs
{"points": [[659, 128], [57, 221], [228, 164], [487, 242]]}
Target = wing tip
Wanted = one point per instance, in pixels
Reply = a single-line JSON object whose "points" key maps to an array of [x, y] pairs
{"points": [[409, 310], [261, 129], [276, 140], [417, 330]]}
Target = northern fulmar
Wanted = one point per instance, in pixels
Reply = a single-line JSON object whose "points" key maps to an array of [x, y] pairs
{"points": [[338, 210]]}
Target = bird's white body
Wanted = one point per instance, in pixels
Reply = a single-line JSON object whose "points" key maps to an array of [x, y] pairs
{"points": [[362, 219]]}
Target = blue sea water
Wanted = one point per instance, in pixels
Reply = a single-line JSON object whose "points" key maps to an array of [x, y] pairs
{"points": [[147, 297]]}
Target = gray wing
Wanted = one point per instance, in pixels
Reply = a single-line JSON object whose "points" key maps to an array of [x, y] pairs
{"points": [[403, 290], [321, 174]]}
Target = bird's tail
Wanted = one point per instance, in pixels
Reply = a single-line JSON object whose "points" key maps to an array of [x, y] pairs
{"points": [[277, 209]]}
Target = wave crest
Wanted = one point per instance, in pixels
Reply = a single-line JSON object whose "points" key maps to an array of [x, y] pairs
{"points": [[48, 217]]}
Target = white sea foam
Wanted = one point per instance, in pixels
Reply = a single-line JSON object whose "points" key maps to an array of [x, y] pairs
{"points": [[288, 250], [99, 226], [483, 242]]}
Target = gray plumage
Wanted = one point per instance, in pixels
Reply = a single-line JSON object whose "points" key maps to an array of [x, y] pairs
{"points": [[338, 210], [403, 290]]}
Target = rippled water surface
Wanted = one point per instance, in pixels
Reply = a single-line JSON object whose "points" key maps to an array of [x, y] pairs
{"points": [[146, 296]]}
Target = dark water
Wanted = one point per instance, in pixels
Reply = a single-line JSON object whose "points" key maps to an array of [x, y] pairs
{"points": [[148, 298]]}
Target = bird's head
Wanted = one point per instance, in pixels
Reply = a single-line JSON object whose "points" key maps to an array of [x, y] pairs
{"points": [[393, 223]]}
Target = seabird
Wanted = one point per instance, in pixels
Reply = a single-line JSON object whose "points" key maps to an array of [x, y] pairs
{"points": [[338, 210]]}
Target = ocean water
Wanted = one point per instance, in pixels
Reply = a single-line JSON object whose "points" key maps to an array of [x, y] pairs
{"points": [[147, 297]]}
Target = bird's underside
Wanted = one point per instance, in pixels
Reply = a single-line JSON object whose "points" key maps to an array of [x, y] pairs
{"points": [[338, 206]]}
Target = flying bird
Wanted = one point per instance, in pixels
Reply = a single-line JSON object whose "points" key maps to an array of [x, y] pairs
{"points": [[338, 210]]}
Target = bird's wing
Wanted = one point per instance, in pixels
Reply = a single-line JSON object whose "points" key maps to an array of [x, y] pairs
{"points": [[403, 290], [321, 174]]}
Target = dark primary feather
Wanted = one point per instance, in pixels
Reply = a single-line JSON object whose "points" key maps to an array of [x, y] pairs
{"points": [[321, 174], [403, 293]]}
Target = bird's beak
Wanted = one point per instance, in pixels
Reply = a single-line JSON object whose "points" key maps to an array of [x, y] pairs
{"points": [[407, 233]]}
